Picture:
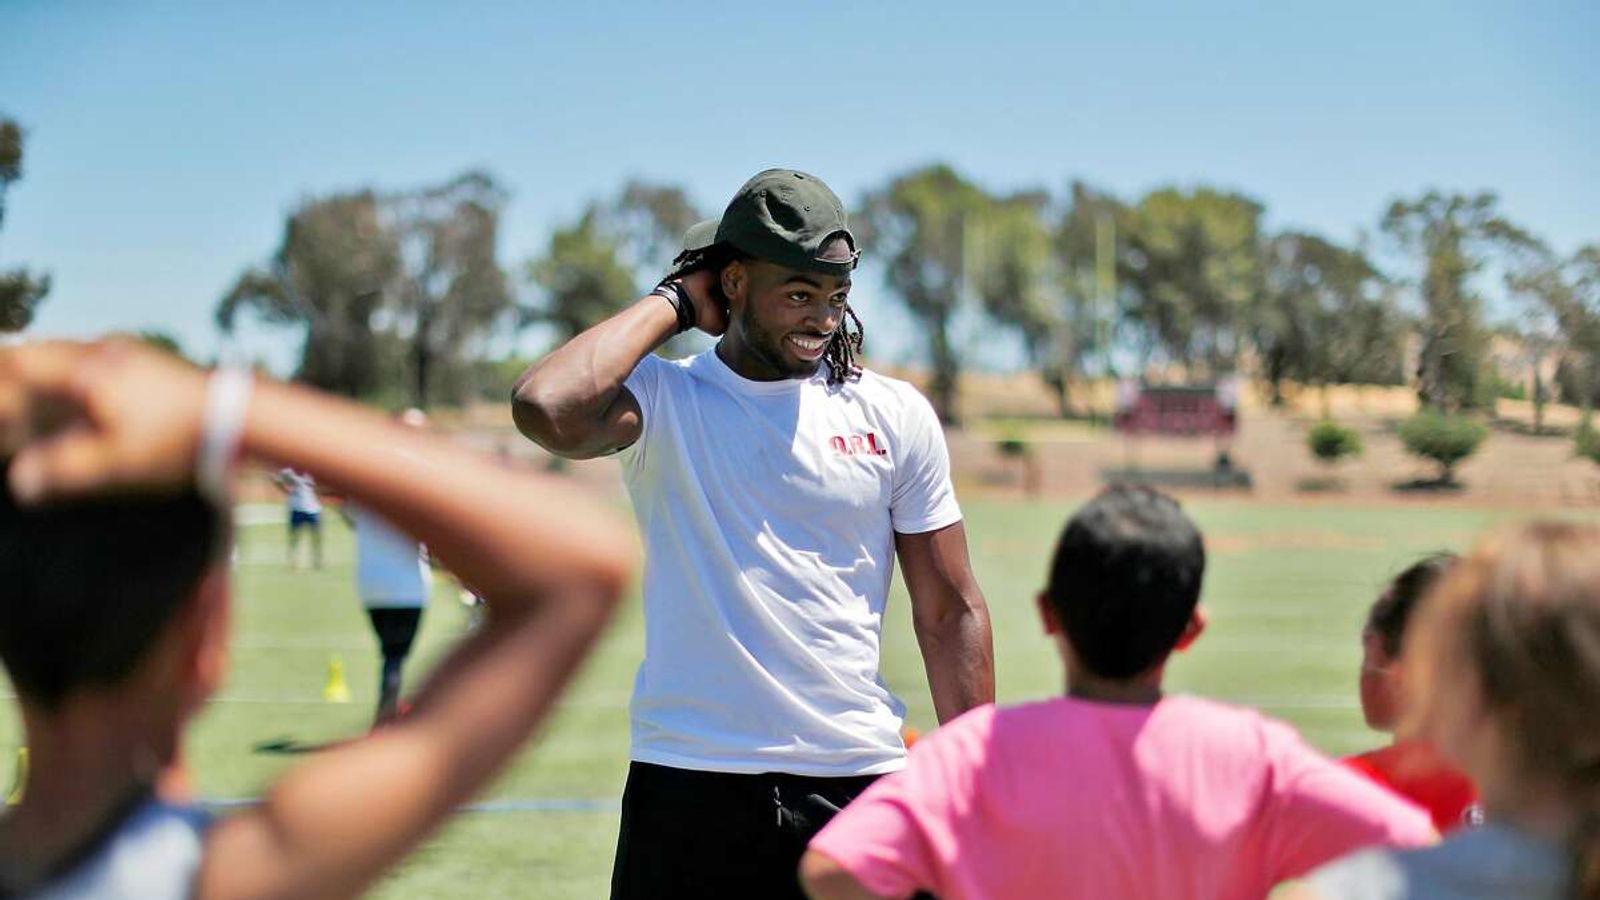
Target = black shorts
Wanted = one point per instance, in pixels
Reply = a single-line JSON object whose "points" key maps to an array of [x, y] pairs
{"points": [[396, 627], [713, 835]]}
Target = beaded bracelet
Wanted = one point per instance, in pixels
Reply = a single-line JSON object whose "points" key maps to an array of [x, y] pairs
{"points": [[674, 293]]}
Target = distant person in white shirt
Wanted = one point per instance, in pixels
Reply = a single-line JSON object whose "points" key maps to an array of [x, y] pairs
{"points": [[305, 513], [394, 583], [775, 483]]}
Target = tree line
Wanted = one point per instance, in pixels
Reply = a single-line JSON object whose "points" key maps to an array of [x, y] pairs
{"points": [[403, 287], [401, 293]]}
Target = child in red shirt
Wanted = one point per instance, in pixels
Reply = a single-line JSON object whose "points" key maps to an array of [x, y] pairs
{"points": [[1408, 767]]}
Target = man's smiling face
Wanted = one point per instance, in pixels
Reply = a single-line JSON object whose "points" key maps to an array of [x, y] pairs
{"points": [[782, 318]]}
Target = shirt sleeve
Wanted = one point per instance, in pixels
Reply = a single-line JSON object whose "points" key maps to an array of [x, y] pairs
{"points": [[923, 498], [903, 834], [1320, 810], [644, 383]]}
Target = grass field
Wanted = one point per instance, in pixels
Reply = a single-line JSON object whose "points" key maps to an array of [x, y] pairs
{"points": [[1286, 588]]}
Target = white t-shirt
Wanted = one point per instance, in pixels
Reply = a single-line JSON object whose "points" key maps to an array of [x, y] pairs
{"points": [[768, 510], [302, 491], [390, 569]]}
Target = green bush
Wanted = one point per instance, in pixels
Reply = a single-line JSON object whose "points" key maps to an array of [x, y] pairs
{"points": [[1444, 438], [1330, 442], [1012, 441], [1586, 441], [1013, 447]]}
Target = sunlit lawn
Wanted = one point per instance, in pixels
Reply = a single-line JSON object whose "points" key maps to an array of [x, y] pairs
{"points": [[1286, 589]]}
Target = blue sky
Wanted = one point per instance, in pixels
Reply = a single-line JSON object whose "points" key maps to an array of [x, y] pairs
{"points": [[166, 141]]}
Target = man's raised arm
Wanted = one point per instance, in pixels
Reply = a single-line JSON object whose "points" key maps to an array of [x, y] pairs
{"points": [[573, 403]]}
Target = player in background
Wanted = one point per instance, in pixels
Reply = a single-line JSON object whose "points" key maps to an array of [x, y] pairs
{"points": [[1116, 789], [114, 619], [305, 513], [394, 583], [776, 483], [1410, 767], [1502, 674]]}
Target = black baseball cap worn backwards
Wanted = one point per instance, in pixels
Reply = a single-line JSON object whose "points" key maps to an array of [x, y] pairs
{"points": [[784, 217]]}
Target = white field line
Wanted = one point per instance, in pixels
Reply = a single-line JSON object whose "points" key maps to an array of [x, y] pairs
{"points": [[510, 805], [348, 644], [247, 514], [576, 701]]}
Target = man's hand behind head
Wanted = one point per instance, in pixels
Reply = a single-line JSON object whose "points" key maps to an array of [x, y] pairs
{"points": [[710, 309]]}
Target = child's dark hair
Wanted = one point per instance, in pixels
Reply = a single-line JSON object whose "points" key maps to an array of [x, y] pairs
{"points": [[844, 346], [1392, 610], [1125, 579], [87, 587]]}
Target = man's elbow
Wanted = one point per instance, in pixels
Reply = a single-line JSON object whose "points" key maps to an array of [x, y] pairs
{"points": [[537, 412], [531, 412]]}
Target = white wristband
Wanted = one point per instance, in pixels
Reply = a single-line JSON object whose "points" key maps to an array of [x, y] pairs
{"points": [[227, 400]]}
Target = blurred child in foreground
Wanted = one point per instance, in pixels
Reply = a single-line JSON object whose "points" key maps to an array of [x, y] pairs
{"points": [[1502, 675], [114, 611]]}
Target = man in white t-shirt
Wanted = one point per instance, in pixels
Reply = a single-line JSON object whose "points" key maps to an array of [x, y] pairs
{"points": [[775, 483]]}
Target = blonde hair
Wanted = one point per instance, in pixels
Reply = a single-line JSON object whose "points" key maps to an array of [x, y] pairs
{"points": [[1518, 622]]}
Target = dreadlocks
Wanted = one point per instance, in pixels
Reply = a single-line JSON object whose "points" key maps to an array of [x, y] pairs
{"points": [[843, 347]]}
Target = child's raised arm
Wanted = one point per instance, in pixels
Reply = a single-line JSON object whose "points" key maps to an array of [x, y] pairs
{"points": [[550, 563]]}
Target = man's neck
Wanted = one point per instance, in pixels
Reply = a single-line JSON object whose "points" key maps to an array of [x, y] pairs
{"points": [[746, 362]]}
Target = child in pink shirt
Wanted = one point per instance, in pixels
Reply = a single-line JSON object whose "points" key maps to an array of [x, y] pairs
{"points": [[1113, 790]]}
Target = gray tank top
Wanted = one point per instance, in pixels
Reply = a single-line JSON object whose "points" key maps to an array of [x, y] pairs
{"points": [[1486, 863], [153, 855]]}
